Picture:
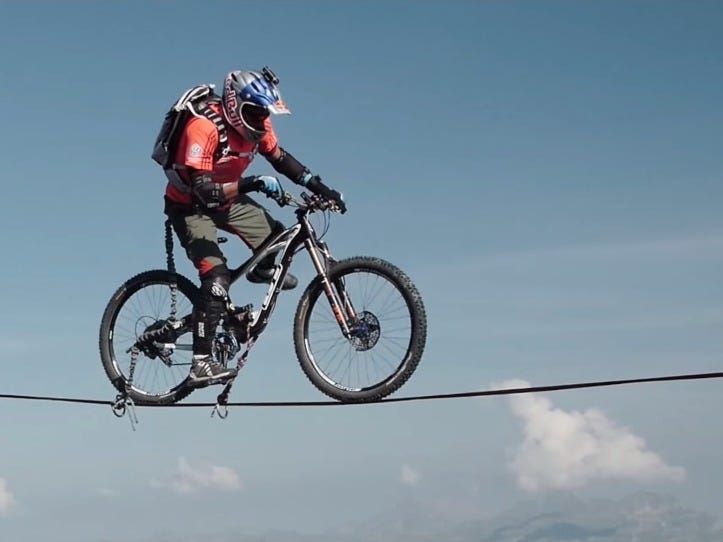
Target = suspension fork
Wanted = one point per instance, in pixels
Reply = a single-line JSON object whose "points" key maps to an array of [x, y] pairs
{"points": [[346, 302], [338, 299]]}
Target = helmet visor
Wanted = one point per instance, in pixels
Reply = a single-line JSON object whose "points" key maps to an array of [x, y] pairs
{"points": [[254, 116], [279, 107]]}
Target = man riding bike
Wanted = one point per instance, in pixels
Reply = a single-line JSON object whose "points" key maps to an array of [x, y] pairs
{"points": [[208, 192]]}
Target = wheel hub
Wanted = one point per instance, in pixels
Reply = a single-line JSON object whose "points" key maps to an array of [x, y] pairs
{"points": [[365, 334]]}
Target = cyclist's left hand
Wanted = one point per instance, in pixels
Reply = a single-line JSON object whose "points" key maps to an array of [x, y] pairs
{"points": [[318, 187], [337, 198], [270, 186]]}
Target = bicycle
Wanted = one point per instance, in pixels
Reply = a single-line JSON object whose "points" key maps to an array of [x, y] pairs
{"points": [[359, 330]]}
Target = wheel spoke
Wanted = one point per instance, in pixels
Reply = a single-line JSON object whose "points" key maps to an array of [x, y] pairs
{"points": [[149, 305], [380, 342]]}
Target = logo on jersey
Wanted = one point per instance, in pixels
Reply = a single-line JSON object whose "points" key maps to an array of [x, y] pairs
{"points": [[195, 151]]}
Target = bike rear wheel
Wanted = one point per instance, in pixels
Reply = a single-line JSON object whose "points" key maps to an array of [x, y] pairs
{"points": [[141, 304], [389, 331]]}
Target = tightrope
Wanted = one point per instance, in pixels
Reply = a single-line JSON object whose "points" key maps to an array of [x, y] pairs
{"points": [[460, 395]]}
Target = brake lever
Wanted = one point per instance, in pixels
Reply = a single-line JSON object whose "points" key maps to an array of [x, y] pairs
{"points": [[285, 199]]}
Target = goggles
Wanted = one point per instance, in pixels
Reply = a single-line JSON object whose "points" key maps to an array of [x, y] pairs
{"points": [[253, 115]]}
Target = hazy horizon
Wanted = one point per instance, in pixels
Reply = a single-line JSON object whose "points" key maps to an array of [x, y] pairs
{"points": [[549, 174]]}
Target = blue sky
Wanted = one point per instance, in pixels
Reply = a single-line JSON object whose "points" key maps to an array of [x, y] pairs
{"points": [[548, 173]]}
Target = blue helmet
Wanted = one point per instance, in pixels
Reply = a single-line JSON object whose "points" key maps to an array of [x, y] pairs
{"points": [[249, 97]]}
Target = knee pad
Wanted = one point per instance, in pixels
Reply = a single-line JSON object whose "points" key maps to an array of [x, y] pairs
{"points": [[215, 284]]}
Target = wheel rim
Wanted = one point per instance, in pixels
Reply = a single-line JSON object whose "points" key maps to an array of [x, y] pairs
{"points": [[381, 337], [144, 309]]}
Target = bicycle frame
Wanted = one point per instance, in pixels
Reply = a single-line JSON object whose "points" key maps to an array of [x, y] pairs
{"points": [[155, 333], [287, 242]]}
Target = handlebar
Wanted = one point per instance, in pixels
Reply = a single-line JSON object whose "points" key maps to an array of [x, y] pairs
{"points": [[308, 202]]}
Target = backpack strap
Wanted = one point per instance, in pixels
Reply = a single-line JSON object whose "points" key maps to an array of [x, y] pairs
{"points": [[197, 101], [224, 148], [203, 109]]}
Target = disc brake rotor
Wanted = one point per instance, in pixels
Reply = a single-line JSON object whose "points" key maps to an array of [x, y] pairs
{"points": [[366, 332]]}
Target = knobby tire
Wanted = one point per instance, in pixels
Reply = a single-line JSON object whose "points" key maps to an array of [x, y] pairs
{"points": [[405, 366], [108, 353]]}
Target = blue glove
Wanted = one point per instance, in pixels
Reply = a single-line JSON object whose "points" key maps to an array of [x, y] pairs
{"points": [[270, 186]]}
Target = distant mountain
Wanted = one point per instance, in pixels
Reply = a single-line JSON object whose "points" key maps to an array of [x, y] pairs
{"points": [[409, 519], [559, 517]]}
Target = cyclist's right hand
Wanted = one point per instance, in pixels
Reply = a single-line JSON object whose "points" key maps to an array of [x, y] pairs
{"points": [[206, 193]]}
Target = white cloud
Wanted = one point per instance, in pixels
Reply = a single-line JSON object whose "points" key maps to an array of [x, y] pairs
{"points": [[7, 499], [564, 449], [192, 478], [409, 476]]}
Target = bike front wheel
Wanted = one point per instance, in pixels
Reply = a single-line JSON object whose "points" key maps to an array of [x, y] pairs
{"points": [[145, 303], [388, 331]]}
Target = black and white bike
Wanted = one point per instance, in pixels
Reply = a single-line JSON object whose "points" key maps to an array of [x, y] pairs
{"points": [[359, 331]]}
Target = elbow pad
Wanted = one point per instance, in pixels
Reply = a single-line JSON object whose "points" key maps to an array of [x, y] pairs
{"points": [[290, 167]]}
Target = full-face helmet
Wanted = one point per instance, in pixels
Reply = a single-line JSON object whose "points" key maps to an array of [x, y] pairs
{"points": [[249, 97]]}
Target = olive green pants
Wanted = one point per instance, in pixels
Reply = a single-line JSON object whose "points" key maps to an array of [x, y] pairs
{"points": [[197, 231]]}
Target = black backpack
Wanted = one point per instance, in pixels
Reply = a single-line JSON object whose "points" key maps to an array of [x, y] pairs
{"points": [[194, 102]]}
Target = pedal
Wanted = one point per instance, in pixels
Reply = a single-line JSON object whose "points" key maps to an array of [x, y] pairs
{"points": [[205, 382], [197, 384], [241, 322], [242, 314], [224, 380]]}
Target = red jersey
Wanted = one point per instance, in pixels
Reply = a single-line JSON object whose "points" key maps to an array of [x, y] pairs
{"points": [[198, 143]]}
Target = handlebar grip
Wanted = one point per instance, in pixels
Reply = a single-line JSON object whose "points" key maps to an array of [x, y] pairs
{"points": [[284, 199]]}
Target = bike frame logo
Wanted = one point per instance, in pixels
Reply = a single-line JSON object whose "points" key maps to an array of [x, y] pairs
{"points": [[282, 245]]}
